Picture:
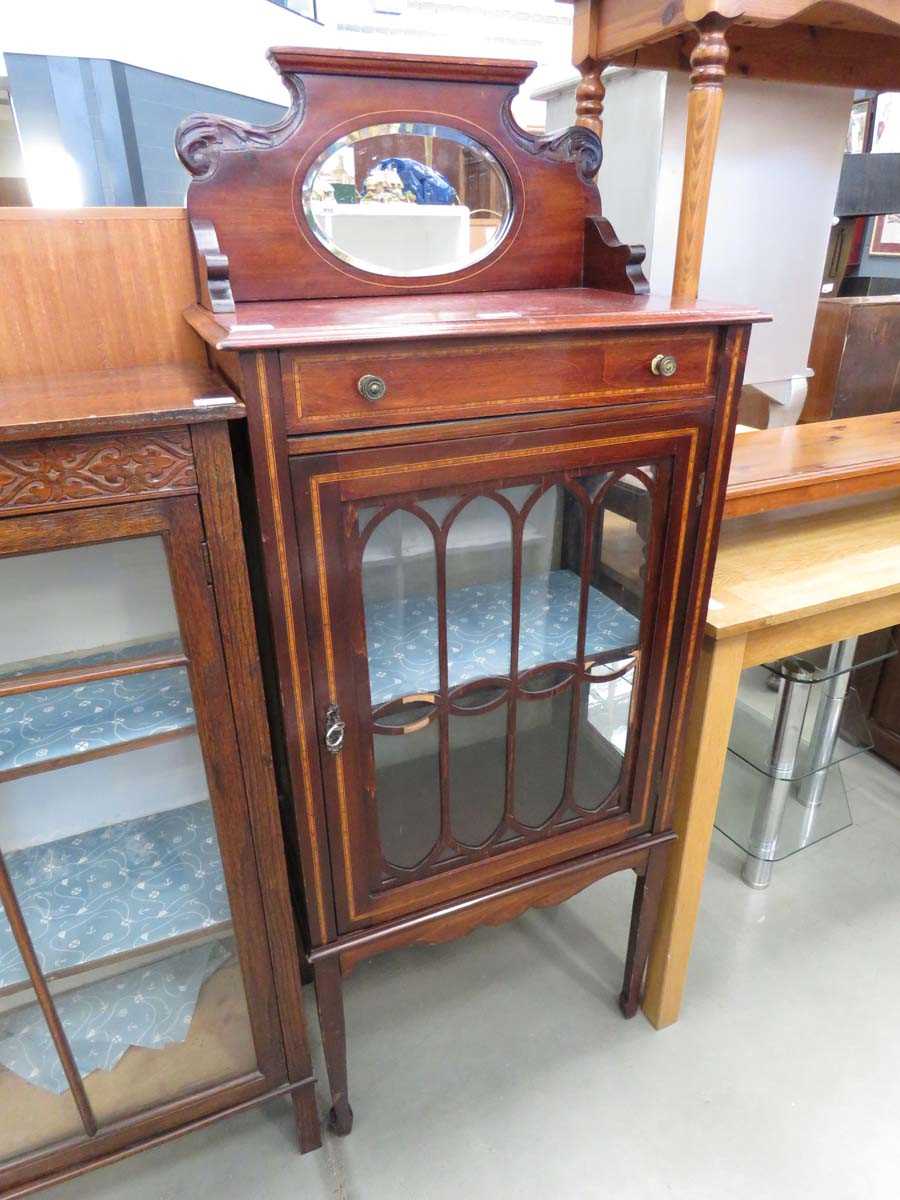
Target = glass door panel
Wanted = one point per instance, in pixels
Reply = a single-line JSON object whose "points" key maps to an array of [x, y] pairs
{"points": [[543, 721], [502, 634], [116, 868], [478, 728], [157, 1028], [86, 606], [34, 1117], [108, 834], [407, 784]]}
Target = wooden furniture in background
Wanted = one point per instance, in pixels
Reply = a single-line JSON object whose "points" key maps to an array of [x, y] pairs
{"points": [[108, 291], [883, 708], [443, 778], [14, 192], [855, 354], [785, 581], [781, 468], [844, 43], [116, 485]]}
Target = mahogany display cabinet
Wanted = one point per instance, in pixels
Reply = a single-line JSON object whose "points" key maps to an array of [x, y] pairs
{"points": [[149, 981], [486, 470]]}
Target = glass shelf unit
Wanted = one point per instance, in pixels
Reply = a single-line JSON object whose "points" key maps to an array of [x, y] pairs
{"points": [[795, 722], [743, 786], [752, 732]]}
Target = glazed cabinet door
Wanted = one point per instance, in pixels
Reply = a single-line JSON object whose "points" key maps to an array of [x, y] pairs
{"points": [[135, 982], [491, 624]]}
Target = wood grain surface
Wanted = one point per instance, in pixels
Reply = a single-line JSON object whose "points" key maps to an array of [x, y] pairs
{"points": [[841, 44], [94, 288], [141, 397], [781, 468], [486, 315], [773, 568]]}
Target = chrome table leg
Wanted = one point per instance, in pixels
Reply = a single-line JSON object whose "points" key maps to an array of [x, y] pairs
{"points": [[757, 872], [828, 721]]}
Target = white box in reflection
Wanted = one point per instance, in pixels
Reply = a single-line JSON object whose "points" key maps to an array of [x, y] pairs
{"points": [[403, 239]]}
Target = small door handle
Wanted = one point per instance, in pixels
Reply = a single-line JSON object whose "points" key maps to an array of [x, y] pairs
{"points": [[371, 387], [334, 729], [664, 364]]}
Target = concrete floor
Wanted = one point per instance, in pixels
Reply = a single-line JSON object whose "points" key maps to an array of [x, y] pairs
{"points": [[498, 1066]]}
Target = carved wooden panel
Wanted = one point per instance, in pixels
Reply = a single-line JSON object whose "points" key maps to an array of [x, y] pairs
{"points": [[248, 179], [73, 472]]}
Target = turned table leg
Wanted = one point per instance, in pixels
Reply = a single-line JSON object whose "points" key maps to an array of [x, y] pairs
{"points": [[330, 1003]]}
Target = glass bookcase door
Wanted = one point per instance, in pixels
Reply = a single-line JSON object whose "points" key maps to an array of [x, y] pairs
{"points": [[33, 1118], [503, 631], [110, 839]]}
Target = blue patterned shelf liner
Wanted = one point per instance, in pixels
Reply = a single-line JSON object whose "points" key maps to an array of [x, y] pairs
{"points": [[99, 656], [59, 722], [402, 638], [150, 1006], [116, 889]]}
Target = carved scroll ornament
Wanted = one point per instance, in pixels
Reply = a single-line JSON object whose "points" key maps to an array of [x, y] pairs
{"points": [[201, 140], [577, 144]]}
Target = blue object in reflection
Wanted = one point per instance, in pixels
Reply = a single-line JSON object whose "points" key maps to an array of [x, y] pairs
{"points": [[427, 185]]}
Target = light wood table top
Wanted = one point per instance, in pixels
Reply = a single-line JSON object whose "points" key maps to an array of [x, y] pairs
{"points": [[773, 568]]}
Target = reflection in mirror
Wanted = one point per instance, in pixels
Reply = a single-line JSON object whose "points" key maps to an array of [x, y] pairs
{"points": [[408, 199]]}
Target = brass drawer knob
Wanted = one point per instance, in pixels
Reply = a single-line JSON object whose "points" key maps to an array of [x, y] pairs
{"points": [[664, 364], [371, 387]]}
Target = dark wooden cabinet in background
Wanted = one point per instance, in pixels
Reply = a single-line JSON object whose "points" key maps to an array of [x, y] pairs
{"points": [[487, 481], [149, 980], [855, 356]]}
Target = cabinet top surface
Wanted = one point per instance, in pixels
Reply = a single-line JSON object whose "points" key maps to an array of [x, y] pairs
{"points": [[143, 397], [268, 325]]}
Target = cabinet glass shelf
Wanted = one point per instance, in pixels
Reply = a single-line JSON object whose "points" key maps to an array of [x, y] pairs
{"points": [[752, 733], [45, 727], [402, 635], [116, 891], [742, 785]]}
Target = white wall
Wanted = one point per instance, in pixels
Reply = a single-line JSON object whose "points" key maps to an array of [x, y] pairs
{"points": [[777, 169], [223, 43], [781, 148]]}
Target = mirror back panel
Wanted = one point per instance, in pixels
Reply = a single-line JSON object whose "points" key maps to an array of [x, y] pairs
{"points": [[288, 205]]}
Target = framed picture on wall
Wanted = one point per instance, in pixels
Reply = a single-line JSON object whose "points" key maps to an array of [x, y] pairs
{"points": [[886, 133], [861, 112], [886, 235]]}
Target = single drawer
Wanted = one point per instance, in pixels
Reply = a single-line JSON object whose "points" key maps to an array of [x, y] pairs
{"points": [[478, 377]]}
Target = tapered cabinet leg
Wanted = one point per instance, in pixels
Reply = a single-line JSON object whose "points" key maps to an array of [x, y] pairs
{"points": [[306, 1118], [647, 894], [330, 1003]]}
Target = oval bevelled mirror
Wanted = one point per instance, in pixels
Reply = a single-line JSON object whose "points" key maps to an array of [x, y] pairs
{"points": [[408, 199]]}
